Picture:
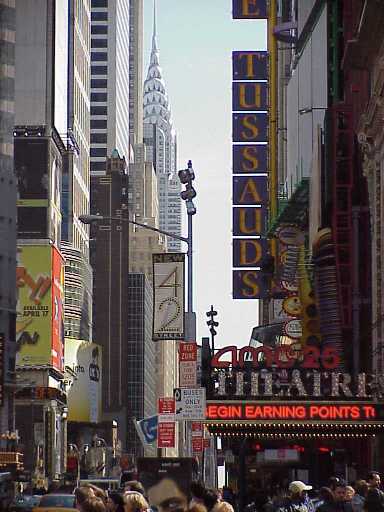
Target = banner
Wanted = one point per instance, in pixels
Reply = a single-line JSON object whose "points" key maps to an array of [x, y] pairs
{"points": [[58, 310], [34, 306], [168, 300], [147, 429], [84, 394]]}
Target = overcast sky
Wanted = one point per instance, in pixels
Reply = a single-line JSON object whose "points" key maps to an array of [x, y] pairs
{"points": [[195, 39]]}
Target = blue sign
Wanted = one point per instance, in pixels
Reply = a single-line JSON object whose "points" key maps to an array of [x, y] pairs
{"points": [[249, 65], [250, 190], [249, 9], [249, 252], [251, 127], [249, 96], [249, 221], [249, 284], [249, 158], [147, 429]]}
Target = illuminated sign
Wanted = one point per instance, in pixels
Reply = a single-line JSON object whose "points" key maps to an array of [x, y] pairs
{"points": [[248, 252], [249, 284], [250, 190], [249, 9], [249, 158], [249, 96], [250, 127], [256, 411]]}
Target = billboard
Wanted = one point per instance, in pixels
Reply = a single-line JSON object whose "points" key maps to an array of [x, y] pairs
{"points": [[34, 306], [57, 334], [84, 395]]}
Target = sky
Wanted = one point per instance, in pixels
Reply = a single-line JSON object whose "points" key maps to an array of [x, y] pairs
{"points": [[196, 39]]}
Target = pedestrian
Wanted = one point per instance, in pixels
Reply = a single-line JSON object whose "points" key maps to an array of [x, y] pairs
{"points": [[326, 500], [349, 493], [81, 495], [93, 505], [374, 501], [134, 485], [210, 499], [223, 506], [297, 499], [340, 494], [361, 488], [197, 507], [115, 502], [198, 491], [135, 502]]}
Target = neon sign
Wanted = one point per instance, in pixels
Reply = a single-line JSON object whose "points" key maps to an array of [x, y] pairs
{"points": [[294, 411]]}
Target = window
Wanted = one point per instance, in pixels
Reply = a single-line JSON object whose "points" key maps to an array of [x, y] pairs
{"points": [[98, 56], [99, 70], [98, 151], [97, 166], [99, 16], [98, 123], [98, 111], [98, 138], [98, 84], [99, 29], [99, 3], [99, 96], [99, 43]]}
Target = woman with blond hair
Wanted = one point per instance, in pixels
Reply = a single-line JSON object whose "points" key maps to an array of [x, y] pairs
{"points": [[135, 502], [223, 506]]}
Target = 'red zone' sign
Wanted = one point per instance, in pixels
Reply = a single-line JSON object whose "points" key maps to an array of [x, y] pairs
{"points": [[344, 412]]}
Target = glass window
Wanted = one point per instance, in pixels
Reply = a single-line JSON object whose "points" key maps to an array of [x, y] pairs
{"points": [[99, 70], [98, 111], [98, 123], [97, 166], [99, 56], [98, 83], [99, 29], [98, 151], [99, 43], [99, 16], [99, 138], [99, 96]]}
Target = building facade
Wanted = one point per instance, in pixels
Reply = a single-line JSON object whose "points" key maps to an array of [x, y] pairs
{"points": [[160, 137], [110, 57], [136, 71], [8, 227], [109, 260], [41, 78], [76, 177]]}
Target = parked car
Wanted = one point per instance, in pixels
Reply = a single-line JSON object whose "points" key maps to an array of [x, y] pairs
{"points": [[56, 502], [24, 503]]}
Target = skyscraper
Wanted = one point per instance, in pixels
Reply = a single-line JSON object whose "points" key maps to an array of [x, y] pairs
{"points": [[76, 180], [160, 136], [109, 81], [136, 71]]}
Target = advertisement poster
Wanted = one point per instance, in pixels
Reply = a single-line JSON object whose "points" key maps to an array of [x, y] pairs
{"points": [[167, 479], [34, 306], [58, 310], [84, 395]]}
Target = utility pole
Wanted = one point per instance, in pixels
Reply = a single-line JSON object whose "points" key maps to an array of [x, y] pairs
{"points": [[212, 325]]}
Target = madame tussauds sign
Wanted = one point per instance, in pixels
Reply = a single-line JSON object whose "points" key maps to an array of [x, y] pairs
{"points": [[288, 373]]}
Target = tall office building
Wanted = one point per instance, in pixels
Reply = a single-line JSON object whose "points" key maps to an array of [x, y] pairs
{"points": [[8, 225], [110, 303], [76, 179], [160, 136], [109, 81], [136, 72], [41, 78]]}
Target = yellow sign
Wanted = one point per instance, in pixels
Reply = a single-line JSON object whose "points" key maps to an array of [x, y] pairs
{"points": [[34, 306], [83, 361]]}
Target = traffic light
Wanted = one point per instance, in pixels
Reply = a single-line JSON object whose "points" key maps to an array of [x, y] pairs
{"points": [[211, 323]]}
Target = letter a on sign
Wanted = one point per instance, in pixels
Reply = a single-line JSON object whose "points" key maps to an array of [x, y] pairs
{"points": [[249, 9], [250, 190]]}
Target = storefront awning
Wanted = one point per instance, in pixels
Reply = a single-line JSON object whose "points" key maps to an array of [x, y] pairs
{"points": [[293, 210]]}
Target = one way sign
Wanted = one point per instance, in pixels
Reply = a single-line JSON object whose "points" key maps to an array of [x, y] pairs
{"points": [[190, 403]]}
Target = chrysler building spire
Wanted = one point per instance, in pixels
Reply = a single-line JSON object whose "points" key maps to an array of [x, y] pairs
{"points": [[154, 41]]}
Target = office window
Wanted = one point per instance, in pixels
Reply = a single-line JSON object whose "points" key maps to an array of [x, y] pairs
{"points": [[98, 123], [99, 56], [99, 16], [99, 96], [99, 70], [99, 3], [97, 166], [99, 43], [98, 151], [98, 138], [98, 111], [98, 83], [99, 29]]}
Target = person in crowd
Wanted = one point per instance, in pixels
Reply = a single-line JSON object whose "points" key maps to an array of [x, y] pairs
{"points": [[326, 500], [340, 494], [197, 507], [115, 502], [210, 499], [134, 485], [297, 499], [332, 482], [135, 502], [358, 500], [374, 501], [81, 495], [93, 505], [223, 506], [198, 491], [349, 493]]}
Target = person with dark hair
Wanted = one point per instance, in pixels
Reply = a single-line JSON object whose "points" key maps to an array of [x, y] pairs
{"points": [[115, 502], [198, 491], [340, 503], [333, 481], [166, 490], [93, 505], [374, 501], [82, 494], [326, 500], [361, 488], [210, 498]]}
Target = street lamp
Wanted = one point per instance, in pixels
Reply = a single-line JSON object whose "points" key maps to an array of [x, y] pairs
{"points": [[212, 324], [186, 177]]}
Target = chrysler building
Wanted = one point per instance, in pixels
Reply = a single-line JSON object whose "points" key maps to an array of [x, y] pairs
{"points": [[160, 139]]}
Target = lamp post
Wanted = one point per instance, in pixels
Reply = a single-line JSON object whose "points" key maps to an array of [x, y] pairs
{"points": [[212, 324], [186, 176]]}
